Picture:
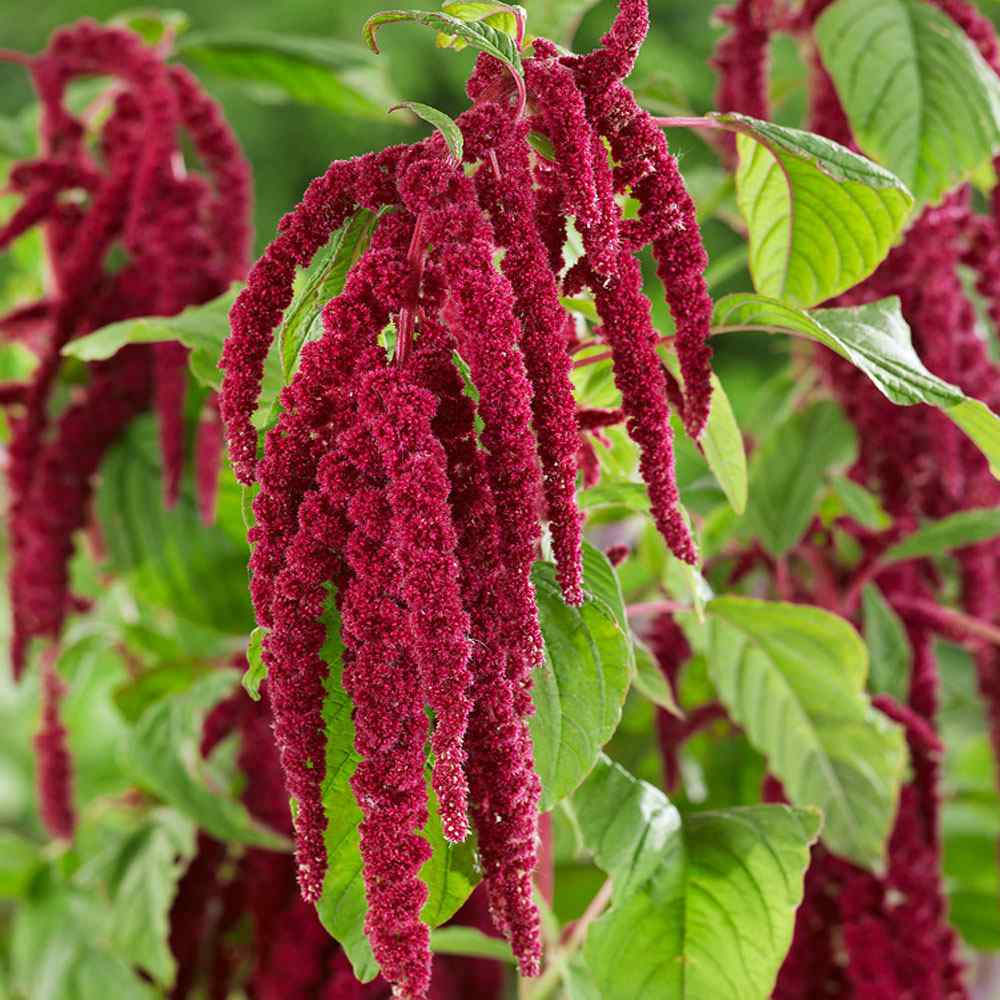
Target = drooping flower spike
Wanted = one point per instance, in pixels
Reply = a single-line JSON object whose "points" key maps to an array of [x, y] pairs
{"points": [[129, 192], [186, 236], [384, 484], [855, 934]]}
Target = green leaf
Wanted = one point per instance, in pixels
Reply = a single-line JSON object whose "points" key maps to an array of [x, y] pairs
{"points": [[20, 861], [821, 218], [315, 71], [983, 427], [703, 907], [172, 559], [451, 873], [580, 687], [58, 949], [631, 496], [722, 443], [326, 281], [153, 25], [471, 942], [793, 677], [445, 124], [542, 145], [938, 538], [920, 98], [162, 754], [650, 682], [136, 695], [203, 329], [558, 20], [788, 472], [140, 872], [860, 504], [888, 646], [479, 34], [17, 362], [502, 16], [876, 339], [256, 670]]}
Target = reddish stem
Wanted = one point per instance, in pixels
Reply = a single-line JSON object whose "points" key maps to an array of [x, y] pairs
{"points": [[683, 121], [13, 56], [407, 315]]}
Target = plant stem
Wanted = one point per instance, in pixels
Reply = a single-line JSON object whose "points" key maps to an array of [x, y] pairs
{"points": [[407, 315], [556, 968], [13, 56], [683, 121], [655, 607]]}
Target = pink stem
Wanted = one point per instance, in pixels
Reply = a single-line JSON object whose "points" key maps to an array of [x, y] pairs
{"points": [[692, 122], [407, 315], [13, 56]]}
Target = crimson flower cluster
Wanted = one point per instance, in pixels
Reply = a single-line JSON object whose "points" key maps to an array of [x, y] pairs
{"points": [[107, 184], [856, 934], [227, 894], [422, 510]]}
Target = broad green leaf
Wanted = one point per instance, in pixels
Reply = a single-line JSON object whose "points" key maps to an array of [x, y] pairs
{"points": [[631, 496], [970, 828], [542, 145], [580, 687], [17, 362], [256, 670], [203, 329], [59, 949], [557, 19], [20, 860], [136, 695], [140, 872], [601, 583], [162, 754], [16, 142], [503, 17], [860, 504], [920, 98], [788, 472], [317, 71], [702, 907], [650, 682], [938, 538], [876, 339], [821, 218], [326, 281], [480, 35], [983, 427], [722, 443], [445, 124], [793, 677], [172, 559], [153, 25], [888, 646], [451, 873], [470, 942]]}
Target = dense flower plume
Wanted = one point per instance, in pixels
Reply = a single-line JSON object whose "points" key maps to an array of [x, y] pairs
{"points": [[185, 236], [424, 509], [858, 935], [226, 896]]}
